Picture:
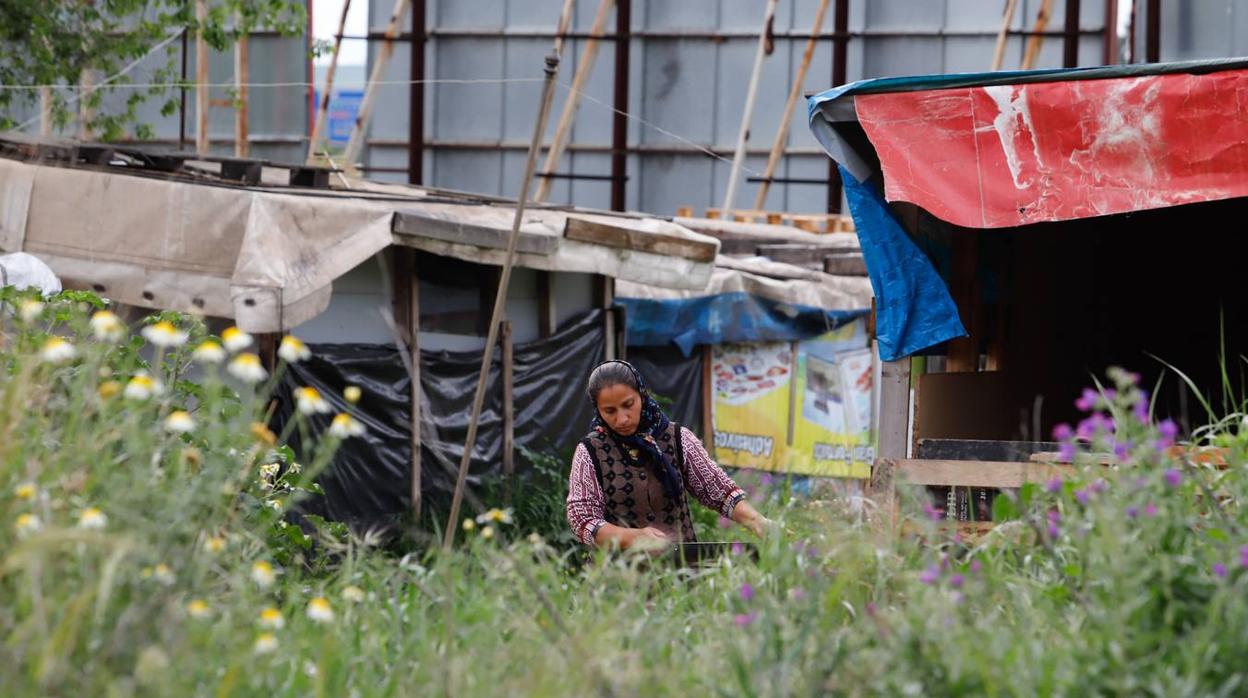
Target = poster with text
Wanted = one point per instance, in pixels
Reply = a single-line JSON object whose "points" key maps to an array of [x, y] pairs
{"points": [[833, 434], [751, 384]]}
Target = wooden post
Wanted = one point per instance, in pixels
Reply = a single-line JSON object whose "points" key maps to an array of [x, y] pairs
{"points": [[547, 320], [1037, 38], [782, 135], [45, 111], [322, 112], [565, 22], [583, 69], [998, 55], [500, 301], [201, 79], [407, 310], [356, 144], [242, 81], [509, 411], [738, 158], [894, 408], [708, 398], [604, 296], [86, 112]]}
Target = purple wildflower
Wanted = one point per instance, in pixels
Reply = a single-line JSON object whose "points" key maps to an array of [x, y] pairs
{"points": [[1150, 510], [1141, 407], [930, 575], [1121, 451], [1066, 452], [1099, 485], [1168, 430], [1087, 400], [956, 581], [747, 592], [1133, 512], [737, 548], [1219, 570], [976, 566], [932, 512], [744, 619], [723, 522], [1055, 517], [766, 480], [1063, 432], [797, 594], [1083, 496], [1243, 556], [1054, 486], [1174, 477]]}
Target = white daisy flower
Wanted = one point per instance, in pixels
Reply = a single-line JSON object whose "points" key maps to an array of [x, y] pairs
{"points": [[142, 386], [208, 352], [179, 422], [320, 611], [27, 524], [235, 339], [309, 401], [352, 394], [57, 351], [214, 544], [263, 574], [272, 619], [353, 593], [266, 643], [92, 518], [163, 574], [164, 334], [344, 426], [107, 327], [197, 608], [502, 516], [29, 310], [247, 368], [293, 350], [487, 532]]}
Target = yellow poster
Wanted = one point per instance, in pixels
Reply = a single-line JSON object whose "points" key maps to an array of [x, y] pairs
{"points": [[751, 391]]}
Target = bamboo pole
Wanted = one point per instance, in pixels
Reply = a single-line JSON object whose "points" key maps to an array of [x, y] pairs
{"points": [[356, 144], [500, 299], [777, 147], [201, 78], [998, 55], [318, 127], [583, 69], [242, 71], [565, 22], [743, 135], [1037, 38]]}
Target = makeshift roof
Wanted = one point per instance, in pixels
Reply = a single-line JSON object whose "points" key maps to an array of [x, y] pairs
{"points": [[262, 243], [991, 150]]}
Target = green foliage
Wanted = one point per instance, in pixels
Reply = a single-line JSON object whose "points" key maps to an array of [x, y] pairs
{"points": [[53, 42]]}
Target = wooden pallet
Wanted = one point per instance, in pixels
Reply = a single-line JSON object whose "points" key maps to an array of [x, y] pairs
{"points": [[809, 222]]}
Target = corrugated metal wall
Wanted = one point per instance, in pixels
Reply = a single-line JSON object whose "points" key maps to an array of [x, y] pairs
{"points": [[689, 70]]}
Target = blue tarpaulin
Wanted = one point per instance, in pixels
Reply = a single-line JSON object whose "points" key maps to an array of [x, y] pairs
{"points": [[725, 317]]}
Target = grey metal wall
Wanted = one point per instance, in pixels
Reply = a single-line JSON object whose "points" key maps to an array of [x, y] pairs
{"points": [[693, 86], [279, 116]]}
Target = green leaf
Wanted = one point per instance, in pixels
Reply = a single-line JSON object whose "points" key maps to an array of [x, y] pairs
{"points": [[1004, 509]]}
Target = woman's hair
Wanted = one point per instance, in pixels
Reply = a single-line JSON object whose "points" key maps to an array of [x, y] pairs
{"points": [[609, 374]]}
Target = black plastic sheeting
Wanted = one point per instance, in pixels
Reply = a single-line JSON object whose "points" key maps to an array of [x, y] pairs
{"points": [[369, 481], [675, 381]]}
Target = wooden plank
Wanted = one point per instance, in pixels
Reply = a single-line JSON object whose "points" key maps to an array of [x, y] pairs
{"points": [[850, 264], [894, 408], [355, 145], [708, 399], [322, 112], [751, 93], [547, 319], [428, 225], [970, 473], [201, 78], [604, 297], [600, 233], [981, 449], [509, 410], [407, 312], [1034, 42], [998, 54], [242, 83]]}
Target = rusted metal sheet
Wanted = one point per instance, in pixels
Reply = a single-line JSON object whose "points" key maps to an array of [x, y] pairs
{"points": [[1009, 155]]}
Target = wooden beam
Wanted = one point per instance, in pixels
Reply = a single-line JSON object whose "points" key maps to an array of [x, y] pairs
{"points": [[322, 112], [970, 473], [604, 296], [998, 55], [242, 82], [86, 111], [1037, 38], [428, 225], [894, 408], [201, 79], [751, 93], [509, 411], [782, 134], [406, 284], [547, 319], [600, 233], [583, 69], [356, 144]]}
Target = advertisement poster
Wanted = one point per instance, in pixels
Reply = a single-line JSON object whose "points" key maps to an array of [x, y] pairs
{"points": [[804, 408]]}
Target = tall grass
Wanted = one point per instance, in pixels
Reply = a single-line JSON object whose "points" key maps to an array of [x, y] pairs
{"points": [[1126, 580]]}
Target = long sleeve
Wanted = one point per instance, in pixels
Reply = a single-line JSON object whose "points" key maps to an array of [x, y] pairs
{"points": [[705, 480], [585, 501]]}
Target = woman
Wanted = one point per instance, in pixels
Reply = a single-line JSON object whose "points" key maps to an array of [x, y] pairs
{"points": [[631, 472]]}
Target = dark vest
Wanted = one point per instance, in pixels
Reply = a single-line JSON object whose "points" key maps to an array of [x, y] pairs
{"points": [[633, 494]]}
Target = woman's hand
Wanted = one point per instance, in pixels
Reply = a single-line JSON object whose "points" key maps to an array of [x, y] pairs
{"points": [[647, 539], [749, 517]]}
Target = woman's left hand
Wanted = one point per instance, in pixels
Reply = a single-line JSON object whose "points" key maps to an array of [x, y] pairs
{"points": [[748, 517]]}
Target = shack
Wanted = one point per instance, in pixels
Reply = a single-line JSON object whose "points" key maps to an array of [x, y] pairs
{"points": [[1023, 232], [371, 275]]}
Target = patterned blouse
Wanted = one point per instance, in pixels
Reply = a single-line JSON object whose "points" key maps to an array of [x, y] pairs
{"points": [[704, 479]]}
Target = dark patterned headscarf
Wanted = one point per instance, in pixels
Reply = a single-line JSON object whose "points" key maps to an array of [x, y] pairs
{"points": [[641, 448]]}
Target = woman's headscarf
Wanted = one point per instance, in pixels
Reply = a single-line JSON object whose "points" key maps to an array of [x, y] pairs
{"points": [[642, 446]]}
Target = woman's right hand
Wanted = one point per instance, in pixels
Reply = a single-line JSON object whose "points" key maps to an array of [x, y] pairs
{"points": [[648, 539]]}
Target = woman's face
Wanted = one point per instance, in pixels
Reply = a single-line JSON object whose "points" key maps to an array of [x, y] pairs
{"points": [[620, 407]]}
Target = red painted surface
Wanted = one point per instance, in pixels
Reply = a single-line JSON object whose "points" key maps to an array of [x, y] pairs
{"points": [[992, 157]]}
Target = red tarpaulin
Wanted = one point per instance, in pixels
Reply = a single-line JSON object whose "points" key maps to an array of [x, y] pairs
{"points": [[1008, 155]]}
